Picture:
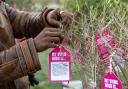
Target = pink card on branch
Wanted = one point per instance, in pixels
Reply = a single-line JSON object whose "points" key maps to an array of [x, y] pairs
{"points": [[111, 81], [59, 65], [101, 46], [107, 36]]}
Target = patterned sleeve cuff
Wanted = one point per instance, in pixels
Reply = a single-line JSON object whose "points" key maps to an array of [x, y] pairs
{"points": [[30, 56], [34, 54]]}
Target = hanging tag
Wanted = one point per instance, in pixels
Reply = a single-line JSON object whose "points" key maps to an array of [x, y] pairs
{"points": [[59, 65], [108, 38], [101, 46], [111, 81]]}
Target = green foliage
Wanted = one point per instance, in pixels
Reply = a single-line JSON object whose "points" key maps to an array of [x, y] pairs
{"points": [[30, 5], [9, 1], [36, 6], [21, 4]]}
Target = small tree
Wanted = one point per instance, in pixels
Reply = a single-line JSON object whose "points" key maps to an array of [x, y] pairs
{"points": [[91, 15]]}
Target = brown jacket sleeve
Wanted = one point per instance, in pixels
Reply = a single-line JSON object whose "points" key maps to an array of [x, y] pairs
{"points": [[27, 24], [18, 61]]}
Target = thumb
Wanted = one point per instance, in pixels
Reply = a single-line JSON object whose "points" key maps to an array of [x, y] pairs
{"points": [[55, 18], [55, 23]]}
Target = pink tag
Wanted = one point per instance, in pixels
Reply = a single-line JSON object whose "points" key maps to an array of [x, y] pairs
{"points": [[59, 65], [111, 81], [101, 46], [107, 35]]}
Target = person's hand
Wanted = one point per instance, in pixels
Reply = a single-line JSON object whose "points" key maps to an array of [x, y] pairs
{"points": [[58, 17], [48, 38]]}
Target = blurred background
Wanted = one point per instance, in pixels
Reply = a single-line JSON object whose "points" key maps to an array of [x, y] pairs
{"points": [[35, 4]]}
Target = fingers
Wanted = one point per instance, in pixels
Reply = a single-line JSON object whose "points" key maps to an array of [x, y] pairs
{"points": [[52, 18], [53, 32], [61, 17], [66, 17], [53, 39], [53, 45], [57, 11], [48, 38], [51, 29], [55, 23], [58, 17], [53, 35]]}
